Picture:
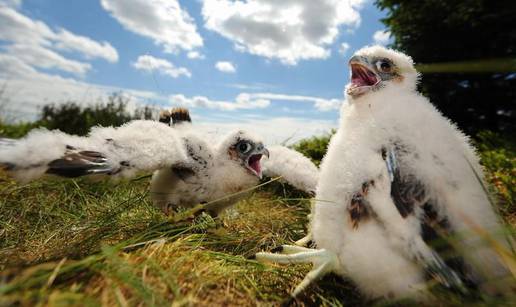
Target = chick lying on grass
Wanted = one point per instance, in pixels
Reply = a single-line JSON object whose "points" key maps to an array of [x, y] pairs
{"points": [[189, 167]]}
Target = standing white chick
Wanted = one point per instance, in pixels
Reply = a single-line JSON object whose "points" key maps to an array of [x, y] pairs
{"points": [[396, 177]]}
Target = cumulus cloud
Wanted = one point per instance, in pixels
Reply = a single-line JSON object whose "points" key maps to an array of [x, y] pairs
{"points": [[225, 66], [196, 55], [13, 3], [30, 90], [320, 104], [164, 21], [292, 129], [382, 37], [242, 101], [27, 89], [343, 48], [36, 44], [288, 30], [38, 56], [253, 101], [85, 45], [149, 63]]}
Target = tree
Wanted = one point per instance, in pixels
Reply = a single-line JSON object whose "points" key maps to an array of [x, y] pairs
{"points": [[75, 119], [441, 31]]}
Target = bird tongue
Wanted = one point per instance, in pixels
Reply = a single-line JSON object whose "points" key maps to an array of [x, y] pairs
{"points": [[254, 164], [361, 76]]}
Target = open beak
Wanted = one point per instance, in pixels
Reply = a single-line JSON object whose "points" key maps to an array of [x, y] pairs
{"points": [[363, 78], [253, 161]]}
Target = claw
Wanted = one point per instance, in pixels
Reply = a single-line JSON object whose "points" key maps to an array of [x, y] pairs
{"points": [[305, 241], [323, 262]]}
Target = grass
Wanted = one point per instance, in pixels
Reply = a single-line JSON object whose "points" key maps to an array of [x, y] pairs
{"points": [[77, 242]]}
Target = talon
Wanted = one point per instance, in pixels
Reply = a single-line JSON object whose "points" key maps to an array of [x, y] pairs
{"points": [[305, 241], [323, 262]]}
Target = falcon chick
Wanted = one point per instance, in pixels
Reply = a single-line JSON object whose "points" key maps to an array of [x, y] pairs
{"points": [[217, 176], [189, 168], [400, 198]]}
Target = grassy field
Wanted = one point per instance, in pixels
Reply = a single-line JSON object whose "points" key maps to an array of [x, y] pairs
{"points": [[79, 242], [83, 242]]}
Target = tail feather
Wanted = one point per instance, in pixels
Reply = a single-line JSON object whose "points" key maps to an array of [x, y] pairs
{"points": [[180, 115], [443, 274], [164, 117]]}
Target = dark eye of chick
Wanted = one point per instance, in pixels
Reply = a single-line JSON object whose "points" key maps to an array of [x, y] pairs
{"points": [[244, 147], [384, 66]]}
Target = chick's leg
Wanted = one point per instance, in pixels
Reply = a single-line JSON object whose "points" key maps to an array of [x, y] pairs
{"points": [[323, 262]]}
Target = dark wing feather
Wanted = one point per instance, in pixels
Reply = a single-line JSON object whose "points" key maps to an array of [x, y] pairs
{"points": [[407, 193], [80, 163]]}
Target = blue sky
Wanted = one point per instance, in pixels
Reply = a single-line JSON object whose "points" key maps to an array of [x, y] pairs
{"points": [[277, 67]]}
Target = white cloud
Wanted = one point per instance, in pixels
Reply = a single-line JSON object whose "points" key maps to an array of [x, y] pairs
{"points": [[225, 66], [320, 104], [242, 101], [36, 44], [253, 101], [149, 63], [12, 3], [28, 89], [328, 105], [343, 49], [253, 86], [288, 30], [18, 28], [276, 130], [195, 55], [164, 21], [88, 47], [38, 56], [381, 37]]}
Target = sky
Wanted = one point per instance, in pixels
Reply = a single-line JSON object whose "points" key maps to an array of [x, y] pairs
{"points": [[277, 68]]}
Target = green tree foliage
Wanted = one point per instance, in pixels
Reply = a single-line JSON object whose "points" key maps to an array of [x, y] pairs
{"points": [[72, 118], [16, 131], [314, 147], [450, 31], [75, 119], [499, 160]]}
